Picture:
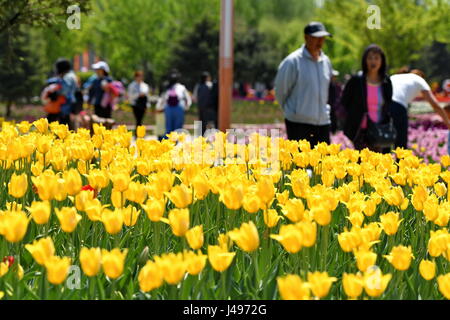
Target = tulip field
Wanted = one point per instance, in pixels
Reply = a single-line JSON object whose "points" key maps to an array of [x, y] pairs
{"points": [[98, 216]]}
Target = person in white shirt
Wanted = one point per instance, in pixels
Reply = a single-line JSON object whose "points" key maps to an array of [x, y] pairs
{"points": [[138, 96], [406, 87], [175, 101]]}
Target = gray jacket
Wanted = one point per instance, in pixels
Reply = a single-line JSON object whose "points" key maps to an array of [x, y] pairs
{"points": [[302, 86]]}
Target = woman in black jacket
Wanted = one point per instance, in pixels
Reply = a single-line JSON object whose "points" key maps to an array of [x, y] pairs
{"points": [[368, 94]]}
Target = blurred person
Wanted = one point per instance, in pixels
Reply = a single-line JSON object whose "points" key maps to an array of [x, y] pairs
{"points": [[406, 87], [59, 95], [99, 88], [447, 110], [77, 107], [175, 101], [367, 98], [301, 88], [334, 100], [202, 95], [138, 96]]}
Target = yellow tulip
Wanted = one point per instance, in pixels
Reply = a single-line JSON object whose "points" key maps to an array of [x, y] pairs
{"points": [[113, 262], [140, 131], [246, 237], [150, 277], [349, 240], [294, 210], [41, 125], [4, 268], [308, 230], [18, 185], [356, 219], [178, 221], [136, 192], [94, 209], [40, 211], [98, 179], [375, 282], [291, 287], [438, 242], [251, 203], [57, 269], [195, 263], [24, 127], [365, 259], [320, 283], [91, 260], [400, 257], [232, 196], [13, 225], [155, 209], [180, 195], [201, 187], [290, 237], [172, 266], [427, 269], [220, 258], [322, 215], [20, 272], [41, 250], [282, 197], [271, 218], [390, 222], [112, 220], [194, 237], [73, 182], [265, 189], [83, 198], [444, 285], [353, 285], [130, 216], [44, 144], [68, 218], [120, 180]]}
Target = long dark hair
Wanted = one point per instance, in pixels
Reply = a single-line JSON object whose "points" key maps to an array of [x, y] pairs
{"points": [[375, 49]]}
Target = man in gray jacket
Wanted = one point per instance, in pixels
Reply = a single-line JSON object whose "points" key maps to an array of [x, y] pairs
{"points": [[302, 85]]}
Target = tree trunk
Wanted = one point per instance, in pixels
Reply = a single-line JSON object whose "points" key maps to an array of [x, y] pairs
{"points": [[8, 109]]}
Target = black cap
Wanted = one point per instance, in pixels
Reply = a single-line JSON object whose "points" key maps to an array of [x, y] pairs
{"points": [[316, 29]]}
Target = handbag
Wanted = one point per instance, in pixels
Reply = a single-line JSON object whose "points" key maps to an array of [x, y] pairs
{"points": [[381, 135]]}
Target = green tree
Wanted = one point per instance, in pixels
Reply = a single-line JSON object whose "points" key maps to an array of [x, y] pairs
{"points": [[197, 51], [407, 26], [20, 73], [42, 13]]}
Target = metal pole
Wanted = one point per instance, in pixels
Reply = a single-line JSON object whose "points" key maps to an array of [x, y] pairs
{"points": [[226, 65]]}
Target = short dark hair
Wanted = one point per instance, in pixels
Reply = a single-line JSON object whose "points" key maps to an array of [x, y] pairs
{"points": [[62, 66], [205, 75], [138, 73], [375, 49]]}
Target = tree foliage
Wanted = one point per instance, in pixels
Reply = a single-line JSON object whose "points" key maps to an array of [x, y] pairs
{"points": [[407, 26]]}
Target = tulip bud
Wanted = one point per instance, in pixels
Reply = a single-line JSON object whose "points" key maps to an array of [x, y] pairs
{"points": [[90, 261], [194, 237], [57, 269], [220, 258], [427, 269], [291, 287]]}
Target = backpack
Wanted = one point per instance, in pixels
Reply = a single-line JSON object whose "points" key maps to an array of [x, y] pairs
{"points": [[172, 97], [52, 98]]}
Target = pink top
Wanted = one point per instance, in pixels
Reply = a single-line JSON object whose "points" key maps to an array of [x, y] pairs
{"points": [[374, 104]]}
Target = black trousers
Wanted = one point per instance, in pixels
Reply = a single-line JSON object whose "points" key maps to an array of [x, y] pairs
{"points": [[139, 113], [103, 112], [400, 117], [313, 134]]}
